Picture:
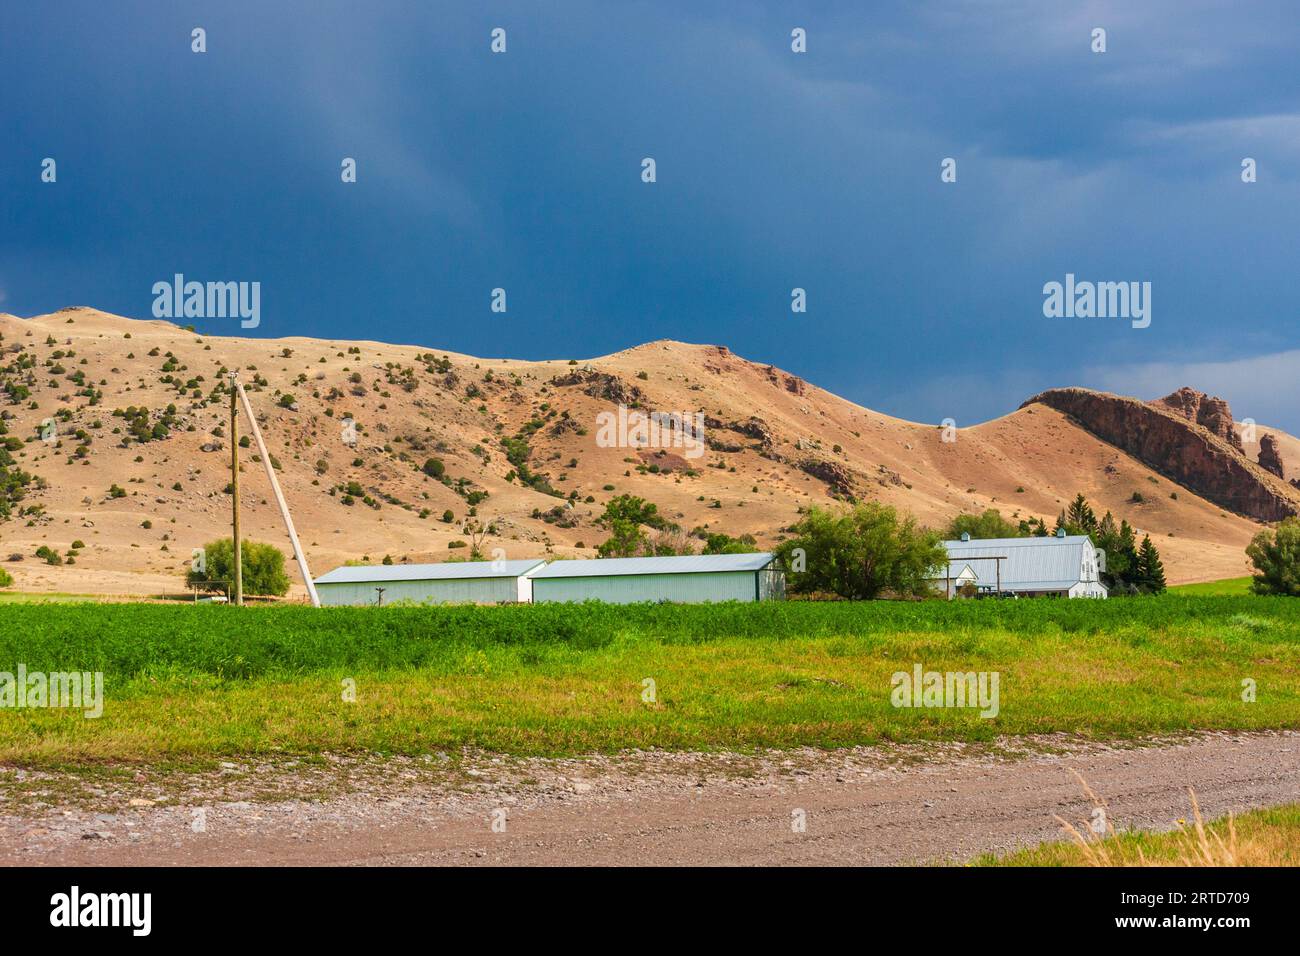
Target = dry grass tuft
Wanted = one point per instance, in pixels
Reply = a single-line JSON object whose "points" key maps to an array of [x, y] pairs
{"points": [[1218, 844]]}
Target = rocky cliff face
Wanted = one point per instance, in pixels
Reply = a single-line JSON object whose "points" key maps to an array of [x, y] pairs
{"points": [[1210, 412], [1269, 459], [1188, 437]]}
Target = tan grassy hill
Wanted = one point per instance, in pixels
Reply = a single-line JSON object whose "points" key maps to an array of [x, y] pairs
{"points": [[776, 444]]}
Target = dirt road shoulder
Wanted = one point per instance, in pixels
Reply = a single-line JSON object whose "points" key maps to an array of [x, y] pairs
{"points": [[858, 806]]}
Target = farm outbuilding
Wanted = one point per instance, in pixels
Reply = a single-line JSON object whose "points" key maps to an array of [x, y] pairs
{"points": [[690, 579], [455, 582], [1058, 566]]}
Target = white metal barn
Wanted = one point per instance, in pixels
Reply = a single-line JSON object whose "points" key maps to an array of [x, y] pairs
{"points": [[1059, 566], [690, 579], [455, 582]]}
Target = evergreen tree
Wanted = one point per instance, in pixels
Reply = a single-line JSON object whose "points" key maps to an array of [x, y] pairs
{"points": [[1108, 540], [1122, 561], [1150, 572], [1033, 528], [1080, 518], [1127, 539], [1127, 548]]}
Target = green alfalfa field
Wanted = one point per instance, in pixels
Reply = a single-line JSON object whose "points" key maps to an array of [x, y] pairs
{"points": [[192, 683]]}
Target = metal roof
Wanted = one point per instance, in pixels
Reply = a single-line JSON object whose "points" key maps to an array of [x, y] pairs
{"points": [[446, 571], [686, 564], [1032, 564]]}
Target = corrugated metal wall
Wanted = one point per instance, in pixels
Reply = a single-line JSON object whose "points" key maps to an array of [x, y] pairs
{"points": [[631, 588], [454, 591]]}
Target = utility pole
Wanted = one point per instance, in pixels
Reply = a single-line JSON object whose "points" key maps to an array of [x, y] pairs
{"points": [[275, 489], [237, 556]]}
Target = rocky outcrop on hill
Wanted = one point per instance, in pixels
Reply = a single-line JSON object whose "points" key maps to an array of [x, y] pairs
{"points": [[1175, 440], [839, 480], [603, 385], [566, 423], [791, 383], [755, 428], [1210, 412], [1269, 459], [721, 445]]}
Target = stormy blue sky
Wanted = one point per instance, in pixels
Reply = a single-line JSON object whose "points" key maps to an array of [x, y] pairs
{"points": [[775, 170]]}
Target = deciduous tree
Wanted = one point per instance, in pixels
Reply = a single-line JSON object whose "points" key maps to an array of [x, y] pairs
{"points": [[861, 553]]}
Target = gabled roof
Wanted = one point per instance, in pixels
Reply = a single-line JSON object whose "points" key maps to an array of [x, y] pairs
{"points": [[686, 564], [1032, 564], [446, 571], [955, 572]]}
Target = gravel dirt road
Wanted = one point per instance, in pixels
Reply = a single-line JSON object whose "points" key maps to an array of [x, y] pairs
{"points": [[861, 806]]}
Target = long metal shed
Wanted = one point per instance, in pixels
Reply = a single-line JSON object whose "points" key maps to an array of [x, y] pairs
{"points": [[455, 582], [691, 579]]}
